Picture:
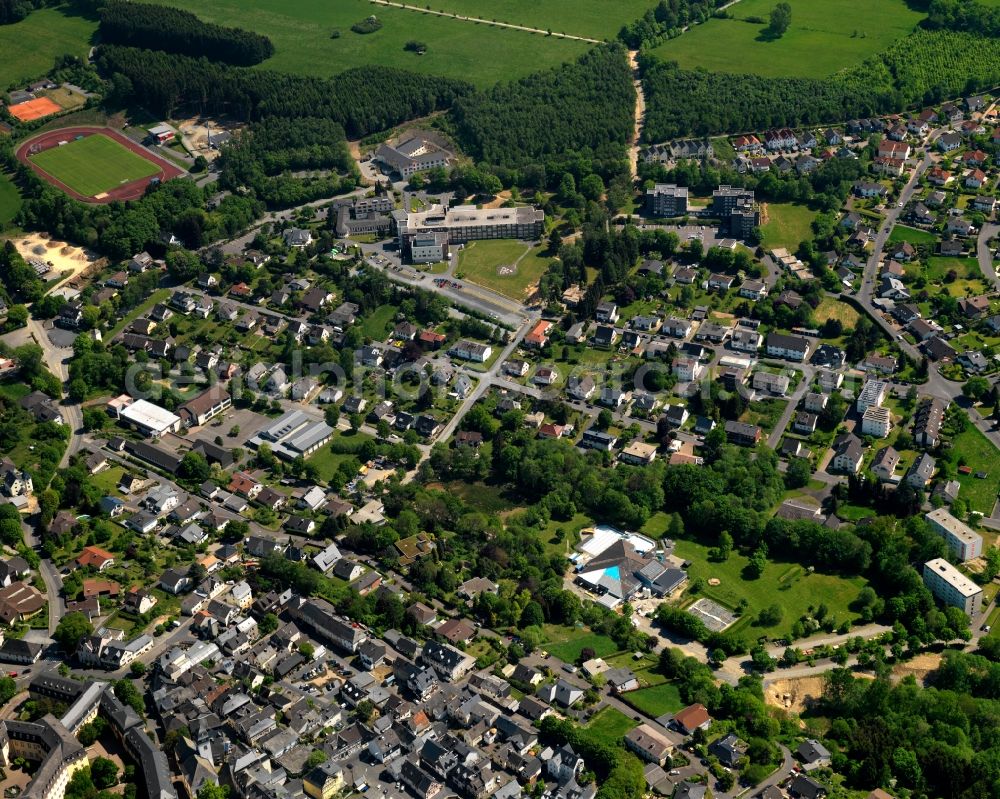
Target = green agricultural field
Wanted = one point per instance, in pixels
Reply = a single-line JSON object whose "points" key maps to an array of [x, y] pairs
{"points": [[912, 235], [976, 452], [302, 33], [788, 585], [481, 262], [566, 643], [823, 38], [10, 200], [609, 724], [656, 700], [788, 225], [594, 19], [28, 48], [94, 165], [829, 308]]}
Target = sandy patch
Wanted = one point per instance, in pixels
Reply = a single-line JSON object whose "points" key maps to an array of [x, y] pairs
{"points": [[69, 263], [195, 131], [919, 666], [794, 695]]}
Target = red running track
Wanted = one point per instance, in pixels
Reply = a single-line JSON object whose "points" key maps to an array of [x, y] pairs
{"points": [[127, 191]]}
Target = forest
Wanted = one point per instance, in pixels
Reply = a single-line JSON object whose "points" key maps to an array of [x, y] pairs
{"points": [[668, 19], [364, 100], [585, 108], [172, 30], [922, 68], [941, 741], [12, 11], [261, 155], [964, 15]]}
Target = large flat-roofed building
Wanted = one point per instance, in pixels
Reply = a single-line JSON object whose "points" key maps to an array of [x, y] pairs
{"points": [[148, 418], [962, 540], [294, 434], [952, 587], [737, 210], [427, 248], [667, 199], [465, 223], [411, 156]]}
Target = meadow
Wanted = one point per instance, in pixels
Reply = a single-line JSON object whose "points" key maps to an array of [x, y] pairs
{"points": [[479, 261], [787, 585], [823, 38], [594, 19], [912, 235], [787, 225], [93, 165], [29, 48], [303, 36], [10, 199]]}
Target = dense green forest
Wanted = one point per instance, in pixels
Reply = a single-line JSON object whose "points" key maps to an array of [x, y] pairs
{"points": [[668, 19], [923, 68], [941, 741], [585, 107], [364, 100], [964, 15], [175, 31]]}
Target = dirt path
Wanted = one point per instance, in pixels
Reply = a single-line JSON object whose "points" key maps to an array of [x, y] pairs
{"points": [[480, 21], [640, 112]]}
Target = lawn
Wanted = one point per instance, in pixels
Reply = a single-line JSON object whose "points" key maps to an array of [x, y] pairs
{"points": [[823, 38], [160, 295], [609, 724], [479, 53], [28, 48], [978, 452], [107, 480], [342, 448], [912, 235], [93, 165], [480, 262], [10, 200], [788, 225], [655, 701], [788, 585], [376, 324], [830, 308], [566, 643], [939, 266]]}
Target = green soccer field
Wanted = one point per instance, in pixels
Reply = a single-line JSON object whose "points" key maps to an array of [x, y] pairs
{"points": [[823, 38], [93, 165]]}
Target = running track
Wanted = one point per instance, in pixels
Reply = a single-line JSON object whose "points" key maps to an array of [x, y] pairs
{"points": [[127, 191]]}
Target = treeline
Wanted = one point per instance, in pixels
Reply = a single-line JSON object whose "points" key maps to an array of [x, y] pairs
{"points": [[362, 100], [923, 68], [667, 20], [260, 156], [159, 27], [12, 11], [586, 107], [20, 283], [964, 15]]}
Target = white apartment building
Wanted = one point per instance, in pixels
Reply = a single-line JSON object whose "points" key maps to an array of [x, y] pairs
{"points": [[962, 540], [952, 587], [876, 421]]}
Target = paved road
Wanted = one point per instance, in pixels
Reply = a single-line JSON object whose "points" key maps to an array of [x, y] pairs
{"points": [[793, 403], [985, 254]]}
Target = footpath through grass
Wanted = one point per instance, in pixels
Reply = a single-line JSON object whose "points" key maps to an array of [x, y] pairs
{"points": [[304, 43], [94, 164], [506, 266]]}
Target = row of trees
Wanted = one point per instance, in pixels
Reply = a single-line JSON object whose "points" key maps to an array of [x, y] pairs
{"points": [[159, 27], [922, 68]]}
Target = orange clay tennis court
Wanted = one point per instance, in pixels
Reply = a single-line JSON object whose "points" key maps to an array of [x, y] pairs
{"points": [[34, 109]]}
